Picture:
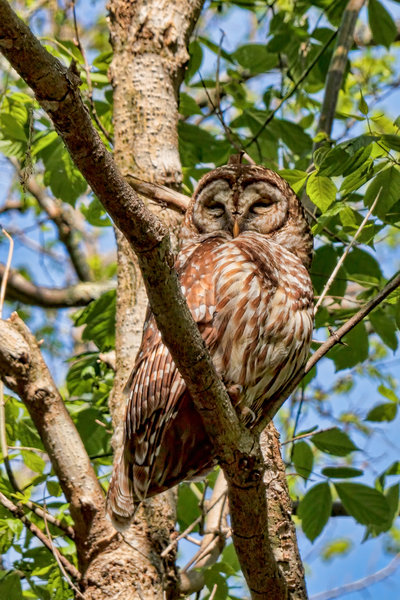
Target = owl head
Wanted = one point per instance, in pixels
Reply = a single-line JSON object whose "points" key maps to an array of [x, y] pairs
{"points": [[237, 198]]}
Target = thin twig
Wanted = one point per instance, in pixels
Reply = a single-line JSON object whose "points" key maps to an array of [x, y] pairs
{"points": [[345, 253], [305, 435], [57, 554], [295, 86], [188, 529], [202, 553], [362, 583], [88, 78], [18, 512]]}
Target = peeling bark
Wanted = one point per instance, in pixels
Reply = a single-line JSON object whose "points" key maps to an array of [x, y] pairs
{"points": [[282, 530]]}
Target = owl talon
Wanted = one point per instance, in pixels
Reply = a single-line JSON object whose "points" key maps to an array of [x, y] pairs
{"points": [[245, 412]]}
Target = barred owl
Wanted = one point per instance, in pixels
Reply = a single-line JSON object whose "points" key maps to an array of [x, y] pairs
{"points": [[243, 268]]}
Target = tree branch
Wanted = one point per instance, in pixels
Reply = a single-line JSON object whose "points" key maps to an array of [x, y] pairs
{"points": [[338, 64], [159, 193], [21, 290], [362, 583]]}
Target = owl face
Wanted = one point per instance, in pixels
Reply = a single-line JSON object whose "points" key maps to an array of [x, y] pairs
{"points": [[234, 199], [237, 207]]}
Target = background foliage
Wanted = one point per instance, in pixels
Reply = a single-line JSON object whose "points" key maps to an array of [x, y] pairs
{"points": [[255, 81]]}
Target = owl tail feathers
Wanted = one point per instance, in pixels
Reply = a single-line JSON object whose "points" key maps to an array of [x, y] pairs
{"points": [[121, 503]]}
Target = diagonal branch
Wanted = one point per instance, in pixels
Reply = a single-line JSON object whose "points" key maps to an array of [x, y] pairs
{"points": [[360, 584], [159, 193], [22, 290]]}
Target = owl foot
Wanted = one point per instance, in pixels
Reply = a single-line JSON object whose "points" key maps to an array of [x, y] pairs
{"points": [[247, 415]]}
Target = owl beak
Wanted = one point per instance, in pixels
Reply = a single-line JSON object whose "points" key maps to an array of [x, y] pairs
{"points": [[235, 229]]}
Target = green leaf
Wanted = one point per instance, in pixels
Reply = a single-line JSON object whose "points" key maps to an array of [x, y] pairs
{"points": [[291, 134], [397, 314], [196, 58], [388, 393], [362, 266], [346, 157], [321, 190], [229, 556], [216, 48], [95, 213], [383, 326], [188, 105], [367, 505], [387, 185], [315, 509], [213, 577], [357, 178], [255, 58], [94, 436], [295, 178], [11, 128], [54, 488], [324, 261], [334, 441], [99, 318], [198, 145], [188, 506], [341, 472], [65, 180], [393, 141], [33, 461], [362, 105], [354, 352], [303, 459], [382, 412], [383, 27], [10, 586], [336, 548]]}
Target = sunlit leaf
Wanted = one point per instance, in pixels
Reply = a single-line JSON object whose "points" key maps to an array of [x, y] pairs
{"points": [[315, 509], [334, 441], [303, 458], [367, 505], [341, 472]]}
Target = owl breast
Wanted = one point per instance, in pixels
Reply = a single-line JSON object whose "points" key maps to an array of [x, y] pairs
{"points": [[261, 319]]}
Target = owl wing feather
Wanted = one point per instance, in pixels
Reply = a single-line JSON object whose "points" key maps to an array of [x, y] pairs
{"points": [[156, 392]]}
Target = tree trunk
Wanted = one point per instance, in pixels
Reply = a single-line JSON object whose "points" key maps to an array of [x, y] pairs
{"points": [[149, 42]]}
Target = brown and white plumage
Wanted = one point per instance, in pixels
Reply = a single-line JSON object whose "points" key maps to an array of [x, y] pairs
{"points": [[245, 251]]}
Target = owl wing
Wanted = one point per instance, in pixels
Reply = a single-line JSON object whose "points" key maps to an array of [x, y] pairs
{"points": [[156, 392]]}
